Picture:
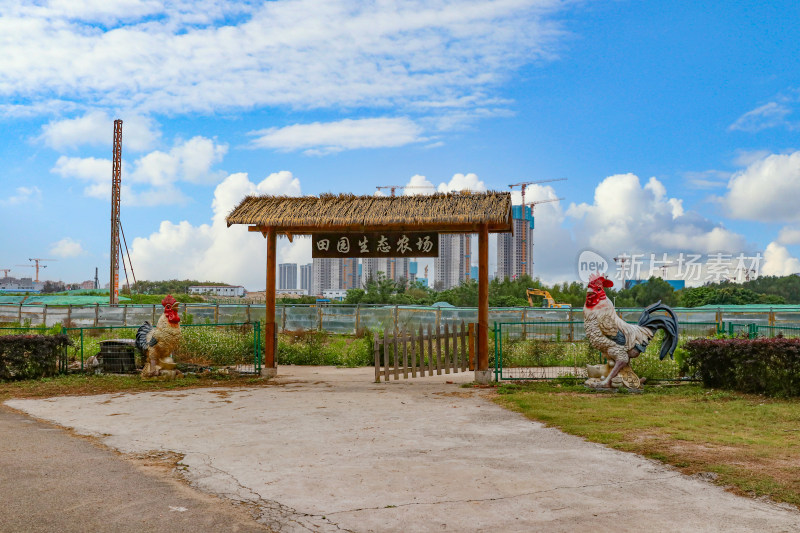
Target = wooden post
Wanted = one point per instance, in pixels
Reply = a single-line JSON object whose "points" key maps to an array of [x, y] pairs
{"points": [[483, 298], [421, 352], [396, 353], [125, 315], [248, 313], [69, 316], [216, 313], [447, 361], [44, 315], [413, 341], [270, 347], [430, 351], [471, 345], [97, 313], [404, 340], [462, 354], [386, 363], [19, 315], [377, 347], [358, 318]]}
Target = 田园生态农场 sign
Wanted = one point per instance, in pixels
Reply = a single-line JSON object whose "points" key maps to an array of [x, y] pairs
{"points": [[388, 244]]}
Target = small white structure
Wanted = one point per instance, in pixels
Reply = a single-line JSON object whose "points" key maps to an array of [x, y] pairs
{"points": [[218, 290], [334, 294], [290, 293]]}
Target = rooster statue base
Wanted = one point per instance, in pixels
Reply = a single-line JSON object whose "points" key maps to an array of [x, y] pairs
{"points": [[157, 343], [620, 342]]}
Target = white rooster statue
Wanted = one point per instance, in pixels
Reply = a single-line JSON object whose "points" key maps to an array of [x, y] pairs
{"points": [[619, 341], [157, 343]]}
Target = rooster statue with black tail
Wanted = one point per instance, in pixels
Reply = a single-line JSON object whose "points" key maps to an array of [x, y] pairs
{"points": [[619, 341], [158, 343]]}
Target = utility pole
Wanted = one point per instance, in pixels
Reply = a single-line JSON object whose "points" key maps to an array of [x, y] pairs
{"points": [[116, 184], [96, 279], [523, 186]]}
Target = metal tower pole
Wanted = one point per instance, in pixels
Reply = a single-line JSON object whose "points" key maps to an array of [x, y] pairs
{"points": [[116, 183]]}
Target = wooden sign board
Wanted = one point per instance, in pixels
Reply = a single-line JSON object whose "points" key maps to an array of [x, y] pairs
{"points": [[387, 244]]}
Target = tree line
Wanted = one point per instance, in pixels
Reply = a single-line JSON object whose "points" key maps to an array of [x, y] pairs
{"points": [[771, 290]]}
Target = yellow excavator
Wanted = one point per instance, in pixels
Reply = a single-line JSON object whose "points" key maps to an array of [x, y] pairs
{"points": [[548, 302]]}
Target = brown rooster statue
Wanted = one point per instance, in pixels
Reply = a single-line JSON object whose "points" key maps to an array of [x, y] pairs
{"points": [[619, 341], [157, 344]]}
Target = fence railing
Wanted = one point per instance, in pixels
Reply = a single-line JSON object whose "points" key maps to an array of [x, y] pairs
{"points": [[235, 346], [410, 353], [349, 319]]}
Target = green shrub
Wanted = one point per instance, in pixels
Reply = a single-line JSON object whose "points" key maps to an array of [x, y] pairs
{"points": [[30, 356], [761, 366], [216, 345], [312, 347]]}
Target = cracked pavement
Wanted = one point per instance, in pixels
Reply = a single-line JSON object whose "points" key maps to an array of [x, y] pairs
{"points": [[328, 450]]}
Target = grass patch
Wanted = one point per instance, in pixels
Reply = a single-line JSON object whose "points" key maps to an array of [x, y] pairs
{"points": [[89, 384], [751, 443]]}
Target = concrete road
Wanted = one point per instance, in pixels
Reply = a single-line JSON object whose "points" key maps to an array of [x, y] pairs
{"points": [[328, 450], [53, 481]]}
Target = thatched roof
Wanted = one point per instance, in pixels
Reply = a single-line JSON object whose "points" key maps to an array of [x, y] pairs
{"points": [[445, 212]]}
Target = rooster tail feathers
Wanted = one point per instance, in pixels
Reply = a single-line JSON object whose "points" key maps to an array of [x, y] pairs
{"points": [[141, 336], [666, 321]]}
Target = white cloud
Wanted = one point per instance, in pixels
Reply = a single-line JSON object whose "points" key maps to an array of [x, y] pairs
{"points": [[767, 116], [23, 195], [96, 128], [626, 217], [348, 134], [789, 235], [766, 190], [213, 251], [67, 247], [461, 182], [707, 179], [208, 55], [779, 262], [152, 178]]}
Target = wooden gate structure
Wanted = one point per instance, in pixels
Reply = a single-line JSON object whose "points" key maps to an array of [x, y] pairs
{"points": [[413, 352], [378, 226]]}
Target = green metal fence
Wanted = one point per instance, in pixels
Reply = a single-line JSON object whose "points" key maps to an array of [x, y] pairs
{"points": [[558, 349], [235, 346]]}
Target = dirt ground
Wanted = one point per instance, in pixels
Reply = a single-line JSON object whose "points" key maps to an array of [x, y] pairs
{"points": [[329, 450]]}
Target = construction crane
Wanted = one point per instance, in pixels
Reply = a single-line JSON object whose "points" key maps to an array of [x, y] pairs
{"points": [[116, 184], [523, 185], [5, 271], [37, 260]]}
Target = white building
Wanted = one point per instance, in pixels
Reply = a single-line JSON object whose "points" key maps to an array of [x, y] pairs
{"points": [[393, 268], [287, 276], [510, 251], [334, 294], [306, 277], [218, 290], [451, 267]]}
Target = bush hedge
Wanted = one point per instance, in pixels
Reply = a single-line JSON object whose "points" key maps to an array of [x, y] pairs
{"points": [[30, 356], [761, 366]]}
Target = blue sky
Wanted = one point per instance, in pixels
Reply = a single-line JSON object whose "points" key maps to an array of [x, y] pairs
{"points": [[676, 123]]}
